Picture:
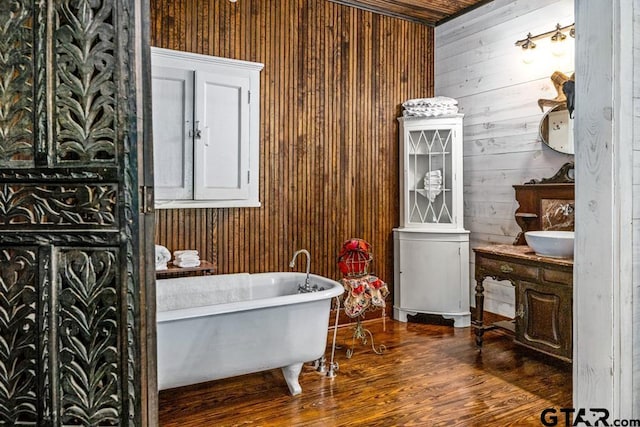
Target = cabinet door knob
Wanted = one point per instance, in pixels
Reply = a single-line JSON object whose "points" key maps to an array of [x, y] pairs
{"points": [[505, 268], [520, 312]]}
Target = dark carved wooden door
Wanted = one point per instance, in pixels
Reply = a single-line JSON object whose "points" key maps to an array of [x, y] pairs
{"points": [[74, 317]]}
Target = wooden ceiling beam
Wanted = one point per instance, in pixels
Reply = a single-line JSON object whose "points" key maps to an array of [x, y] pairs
{"points": [[426, 12]]}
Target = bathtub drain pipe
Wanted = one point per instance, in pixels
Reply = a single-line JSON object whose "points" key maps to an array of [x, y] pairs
{"points": [[333, 366]]}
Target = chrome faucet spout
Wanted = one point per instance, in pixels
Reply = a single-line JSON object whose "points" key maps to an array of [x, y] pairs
{"points": [[293, 263]]}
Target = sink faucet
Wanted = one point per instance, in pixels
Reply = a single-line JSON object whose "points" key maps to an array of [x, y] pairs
{"points": [[306, 287]]}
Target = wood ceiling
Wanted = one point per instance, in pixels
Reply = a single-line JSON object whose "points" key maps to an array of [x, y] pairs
{"points": [[428, 12]]}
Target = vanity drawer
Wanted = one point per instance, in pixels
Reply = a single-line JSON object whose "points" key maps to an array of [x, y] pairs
{"points": [[555, 276], [507, 269]]}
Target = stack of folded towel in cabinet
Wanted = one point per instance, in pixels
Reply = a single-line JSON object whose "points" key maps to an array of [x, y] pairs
{"points": [[186, 258], [433, 184]]}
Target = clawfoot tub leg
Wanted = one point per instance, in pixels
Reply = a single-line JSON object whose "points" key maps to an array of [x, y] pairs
{"points": [[291, 374]]}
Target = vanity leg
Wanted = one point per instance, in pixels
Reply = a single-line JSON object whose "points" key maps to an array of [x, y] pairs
{"points": [[478, 323]]}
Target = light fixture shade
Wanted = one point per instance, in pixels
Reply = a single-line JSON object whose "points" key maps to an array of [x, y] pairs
{"points": [[558, 47], [528, 55]]}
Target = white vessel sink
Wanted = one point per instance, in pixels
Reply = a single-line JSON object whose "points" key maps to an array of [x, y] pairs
{"points": [[555, 244]]}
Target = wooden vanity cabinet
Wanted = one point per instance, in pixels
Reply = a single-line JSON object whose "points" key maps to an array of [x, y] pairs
{"points": [[543, 285], [544, 297]]}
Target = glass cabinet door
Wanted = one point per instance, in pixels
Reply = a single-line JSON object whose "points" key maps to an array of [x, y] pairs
{"points": [[430, 176]]}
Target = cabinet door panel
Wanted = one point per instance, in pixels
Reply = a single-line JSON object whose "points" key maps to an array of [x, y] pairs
{"points": [[546, 318], [222, 154], [431, 173], [426, 286], [172, 123], [429, 164]]}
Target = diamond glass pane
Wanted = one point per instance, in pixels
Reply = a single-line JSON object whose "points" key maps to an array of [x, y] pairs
{"points": [[430, 176]]}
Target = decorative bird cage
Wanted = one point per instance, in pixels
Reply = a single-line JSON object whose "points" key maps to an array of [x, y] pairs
{"points": [[354, 258]]}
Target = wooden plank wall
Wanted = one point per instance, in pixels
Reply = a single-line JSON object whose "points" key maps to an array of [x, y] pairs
{"points": [[603, 270], [636, 208], [333, 82], [477, 63]]}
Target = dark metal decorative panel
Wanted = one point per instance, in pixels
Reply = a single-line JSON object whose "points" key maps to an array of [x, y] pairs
{"points": [[68, 205], [70, 281], [16, 82], [88, 337], [18, 336], [85, 50]]}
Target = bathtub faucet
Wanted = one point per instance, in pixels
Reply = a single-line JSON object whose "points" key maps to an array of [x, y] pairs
{"points": [[306, 287]]}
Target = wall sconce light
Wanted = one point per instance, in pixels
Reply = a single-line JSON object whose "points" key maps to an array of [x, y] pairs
{"points": [[557, 36], [527, 49], [558, 47]]}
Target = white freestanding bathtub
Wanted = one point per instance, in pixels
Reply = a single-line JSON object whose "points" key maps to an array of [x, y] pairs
{"points": [[218, 326]]}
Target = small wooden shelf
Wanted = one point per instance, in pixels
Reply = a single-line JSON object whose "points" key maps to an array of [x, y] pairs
{"points": [[526, 215], [425, 193], [509, 325], [205, 267]]}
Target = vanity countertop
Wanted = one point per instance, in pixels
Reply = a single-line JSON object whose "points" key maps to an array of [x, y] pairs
{"points": [[523, 253]]}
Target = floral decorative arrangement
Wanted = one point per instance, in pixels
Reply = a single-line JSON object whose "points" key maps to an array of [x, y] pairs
{"points": [[364, 290]]}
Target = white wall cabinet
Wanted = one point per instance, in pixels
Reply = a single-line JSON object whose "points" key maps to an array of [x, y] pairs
{"points": [[431, 246], [206, 114]]}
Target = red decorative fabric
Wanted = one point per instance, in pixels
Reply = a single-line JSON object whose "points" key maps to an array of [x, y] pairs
{"points": [[363, 293]]}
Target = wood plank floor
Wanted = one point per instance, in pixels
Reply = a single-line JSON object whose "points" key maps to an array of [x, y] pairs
{"points": [[430, 375]]}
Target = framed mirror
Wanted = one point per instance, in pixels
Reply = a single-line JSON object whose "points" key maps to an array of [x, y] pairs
{"points": [[556, 129]]}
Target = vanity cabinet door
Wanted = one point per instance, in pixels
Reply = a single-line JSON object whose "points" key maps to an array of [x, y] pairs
{"points": [[543, 318]]}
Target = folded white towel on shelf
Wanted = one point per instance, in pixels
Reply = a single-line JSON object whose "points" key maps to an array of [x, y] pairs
{"points": [[186, 258], [177, 254], [163, 256], [186, 264]]}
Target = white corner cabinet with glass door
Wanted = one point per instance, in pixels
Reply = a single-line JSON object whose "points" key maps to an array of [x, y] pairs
{"points": [[431, 246], [206, 113]]}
